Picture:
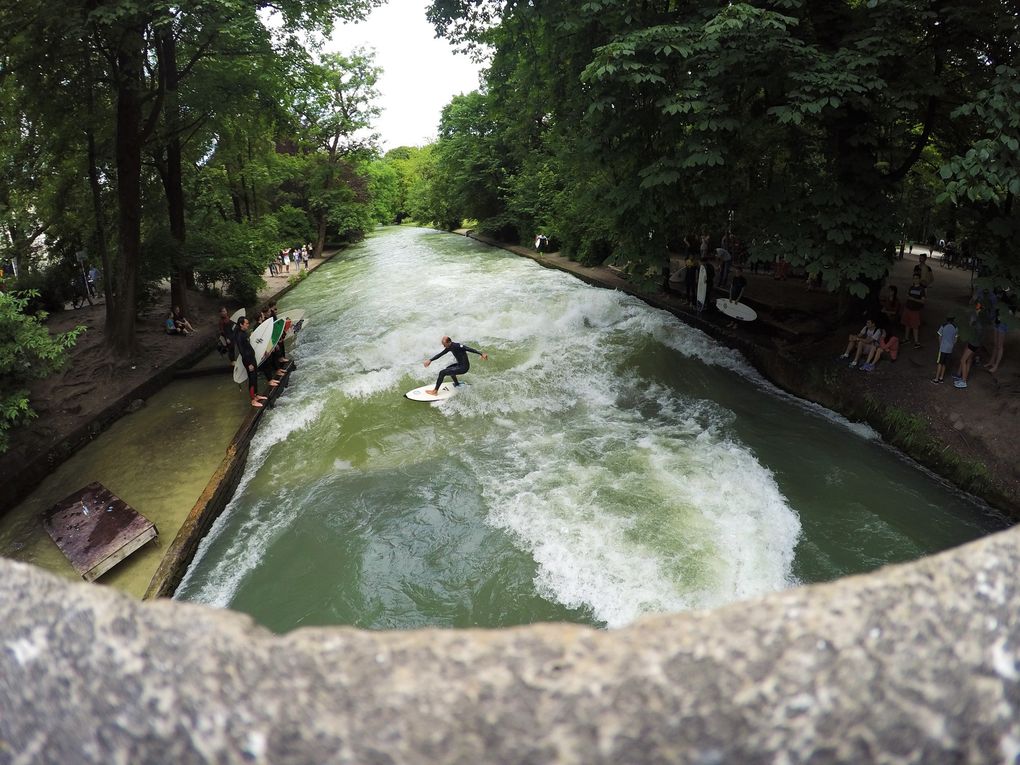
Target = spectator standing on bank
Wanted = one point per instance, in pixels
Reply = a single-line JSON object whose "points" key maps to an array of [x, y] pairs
{"points": [[891, 306], [690, 277], [911, 317], [999, 329], [927, 275], [970, 333], [947, 339]]}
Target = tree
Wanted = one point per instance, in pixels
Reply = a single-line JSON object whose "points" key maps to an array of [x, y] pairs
{"points": [[984, 179], [795, 122], [384, 187], [144, 70], [335, 109]]}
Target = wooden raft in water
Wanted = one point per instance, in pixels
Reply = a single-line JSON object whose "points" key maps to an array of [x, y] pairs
{"points": [[96, 530]]}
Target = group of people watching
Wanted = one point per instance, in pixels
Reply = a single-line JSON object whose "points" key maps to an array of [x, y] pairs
{"points": [[297, 255], [725, 262], [988, 311]]}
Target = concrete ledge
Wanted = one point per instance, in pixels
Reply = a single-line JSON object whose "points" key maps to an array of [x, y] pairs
{"points": [[214, 499], [916, 663]]}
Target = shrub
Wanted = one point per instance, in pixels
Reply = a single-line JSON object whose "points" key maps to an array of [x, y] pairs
{"points": [[27, 352]]}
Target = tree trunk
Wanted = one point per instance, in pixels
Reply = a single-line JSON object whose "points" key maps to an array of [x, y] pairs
{"points": [[121, 331], [320, 236], [173, 178], [321, 215], [100, 242], [100, 227]]}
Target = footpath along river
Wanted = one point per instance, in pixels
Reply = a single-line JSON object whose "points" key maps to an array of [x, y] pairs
{"points": [[606, 462]]}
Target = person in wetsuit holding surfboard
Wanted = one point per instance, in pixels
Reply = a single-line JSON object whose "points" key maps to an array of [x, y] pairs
{"points": [[247, 353], [460, 353]]}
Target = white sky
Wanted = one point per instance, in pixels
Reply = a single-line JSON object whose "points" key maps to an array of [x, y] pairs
{"points": [[420, 73]]}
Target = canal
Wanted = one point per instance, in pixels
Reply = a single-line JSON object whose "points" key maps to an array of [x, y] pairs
{"points": [[608, 461]]}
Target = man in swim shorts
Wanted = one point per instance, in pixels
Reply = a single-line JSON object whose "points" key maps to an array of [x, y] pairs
{"points": [[461, 366]]}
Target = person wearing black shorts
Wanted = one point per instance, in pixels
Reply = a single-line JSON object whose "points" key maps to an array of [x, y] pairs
{"points": [[461, 366]]}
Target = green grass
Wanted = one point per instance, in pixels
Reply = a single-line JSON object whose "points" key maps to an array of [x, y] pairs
{"points": [[910, 433]]}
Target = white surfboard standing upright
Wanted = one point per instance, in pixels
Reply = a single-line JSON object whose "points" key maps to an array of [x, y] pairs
{"points": [[261, 343], [702, 287]]}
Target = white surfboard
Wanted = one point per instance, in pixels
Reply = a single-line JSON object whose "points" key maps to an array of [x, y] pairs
{"points": [[260, 338], [446, 390], [236, 316], [735, 310], [702, 285], [271, 340]]}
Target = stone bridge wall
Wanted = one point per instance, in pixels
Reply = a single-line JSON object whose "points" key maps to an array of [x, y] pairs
{"points": [[915, 663]]}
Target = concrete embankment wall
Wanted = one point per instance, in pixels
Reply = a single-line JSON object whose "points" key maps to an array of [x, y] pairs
{"points": [[33, 471], [214, 499]]}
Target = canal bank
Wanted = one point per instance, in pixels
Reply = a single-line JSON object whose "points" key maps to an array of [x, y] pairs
{"points": [[967, 441], [153, 444]]}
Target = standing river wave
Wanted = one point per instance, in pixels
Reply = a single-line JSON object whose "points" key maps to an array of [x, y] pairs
{"points": [[608, 461]]}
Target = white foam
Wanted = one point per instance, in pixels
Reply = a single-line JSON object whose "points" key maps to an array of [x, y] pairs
{"points": [[674, 517], [630, 499], [251, 539]]}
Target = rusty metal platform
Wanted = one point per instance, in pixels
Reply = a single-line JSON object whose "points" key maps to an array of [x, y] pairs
{"points": [[96, 530]]}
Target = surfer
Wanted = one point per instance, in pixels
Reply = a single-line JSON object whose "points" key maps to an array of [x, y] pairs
{"points": [[460, 353], [737, 287], [247, 354]]}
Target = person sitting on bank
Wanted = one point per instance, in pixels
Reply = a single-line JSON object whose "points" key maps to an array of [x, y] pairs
{"points": [[183, 325], [863, 342], [888, 343]]}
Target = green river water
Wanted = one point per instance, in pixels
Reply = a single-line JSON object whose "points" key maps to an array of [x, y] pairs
{"points": [[606, 462]]}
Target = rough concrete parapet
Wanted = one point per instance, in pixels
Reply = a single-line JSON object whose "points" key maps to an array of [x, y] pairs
{"points": [[915, 663]]}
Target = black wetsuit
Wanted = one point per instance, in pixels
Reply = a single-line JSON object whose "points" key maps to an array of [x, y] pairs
{"points": [[243, 344], [460, 353]]}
